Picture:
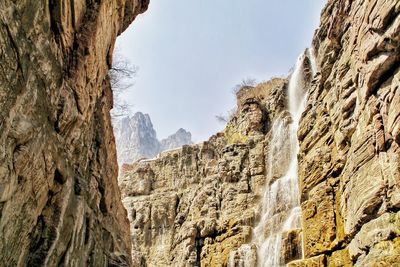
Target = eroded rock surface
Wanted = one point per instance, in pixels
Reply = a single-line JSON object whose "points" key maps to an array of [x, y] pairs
{"points": [[59, 197]]}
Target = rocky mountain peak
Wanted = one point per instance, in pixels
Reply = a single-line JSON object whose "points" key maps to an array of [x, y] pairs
{"points": [[136, 138], [178, 139]]}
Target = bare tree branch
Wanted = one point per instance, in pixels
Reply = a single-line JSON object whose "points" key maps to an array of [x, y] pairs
{"points": [[121, 76], [247, 82], [225, 118]]}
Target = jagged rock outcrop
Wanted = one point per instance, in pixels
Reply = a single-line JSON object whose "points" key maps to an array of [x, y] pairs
{"points": [[136, 138], [349, 160], [59, 197]]}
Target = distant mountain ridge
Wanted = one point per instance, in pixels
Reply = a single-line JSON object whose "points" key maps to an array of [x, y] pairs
{"points": [[136, 138]]}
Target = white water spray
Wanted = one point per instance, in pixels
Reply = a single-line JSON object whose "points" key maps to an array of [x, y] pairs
{"points": [[281, 205]]}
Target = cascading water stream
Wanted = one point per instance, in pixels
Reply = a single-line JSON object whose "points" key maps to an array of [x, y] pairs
{"points": [[281, 206]]}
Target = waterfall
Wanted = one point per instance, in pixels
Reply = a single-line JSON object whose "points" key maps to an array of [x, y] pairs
{"points": [[280, 210]]}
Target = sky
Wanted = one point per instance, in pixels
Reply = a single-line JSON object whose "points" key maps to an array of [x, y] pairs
{"points": [[190, 55]]}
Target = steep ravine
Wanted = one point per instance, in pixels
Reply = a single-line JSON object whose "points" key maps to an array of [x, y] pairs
{"points": [[59, 198], [195, 206], [199, 205]]}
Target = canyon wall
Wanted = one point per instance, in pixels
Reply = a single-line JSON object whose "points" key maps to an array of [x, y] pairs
{"points": [[59, 197], [349, 159]]}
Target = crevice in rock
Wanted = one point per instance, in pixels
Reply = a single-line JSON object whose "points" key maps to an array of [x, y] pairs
{"points": [[87, 229], [383, 75], [54, 17], [1, 209], [58, 177], [102, 205], [199, 243], [78, 186]]}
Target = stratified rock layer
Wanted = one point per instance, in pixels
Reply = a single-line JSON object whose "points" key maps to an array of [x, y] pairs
{"points": [[59, 198], [349, 160]]}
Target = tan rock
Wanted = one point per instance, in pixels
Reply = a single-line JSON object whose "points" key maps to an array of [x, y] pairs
{"points": [[340, 258], [291, 246], [381, 229], [349, 147], [59, 197], [317, 261], [384, 253]]}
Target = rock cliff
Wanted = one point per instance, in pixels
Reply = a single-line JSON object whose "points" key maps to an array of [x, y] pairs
{"points": [[349, 159], [59, 197], [136, 138], [201, 205]]}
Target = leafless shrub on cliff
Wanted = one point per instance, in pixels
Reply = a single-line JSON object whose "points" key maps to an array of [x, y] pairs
{"points": [[121, 76], [225, 118], [247, 82]]}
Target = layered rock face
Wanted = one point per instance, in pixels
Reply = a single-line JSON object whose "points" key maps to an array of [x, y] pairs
{"points": [[59, 198], [136, 138], [349, 159], [193, 206]]}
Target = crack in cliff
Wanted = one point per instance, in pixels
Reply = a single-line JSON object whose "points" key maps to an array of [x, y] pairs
{"points": [[384, 75]]}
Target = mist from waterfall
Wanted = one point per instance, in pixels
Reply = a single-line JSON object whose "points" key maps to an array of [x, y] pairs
{"points": [[281, 201]]}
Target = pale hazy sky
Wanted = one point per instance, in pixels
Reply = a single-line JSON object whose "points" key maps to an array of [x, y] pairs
{"points": [[191, 53]]}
